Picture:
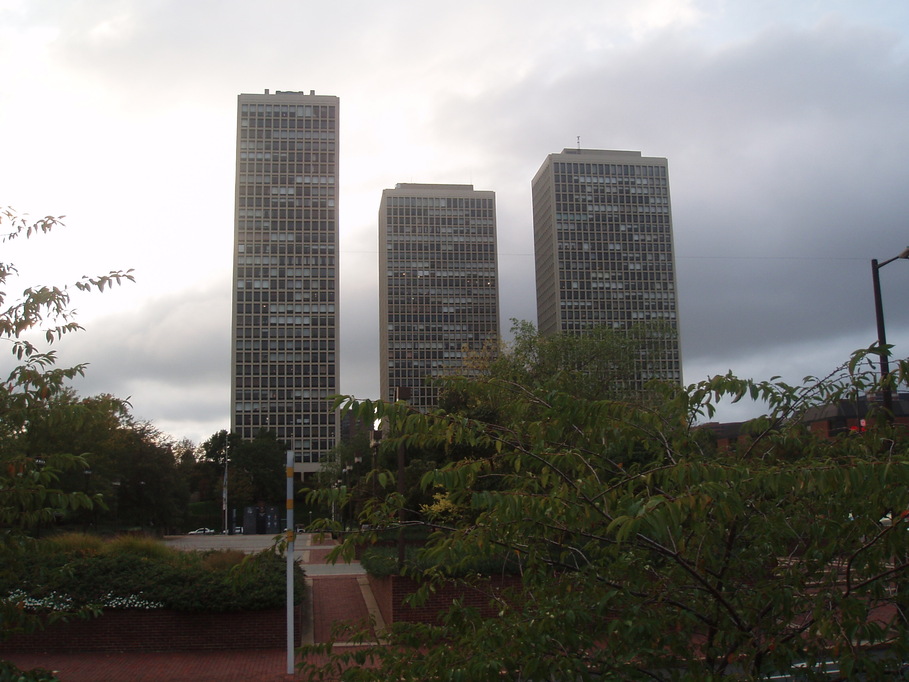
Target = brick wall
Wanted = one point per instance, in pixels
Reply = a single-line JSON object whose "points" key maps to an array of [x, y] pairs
{"points": [[160, 630], [391, 591]]}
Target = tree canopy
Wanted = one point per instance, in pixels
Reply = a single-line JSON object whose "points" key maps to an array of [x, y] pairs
{"points": [[643, 551], [32, 401], [255, 467]]}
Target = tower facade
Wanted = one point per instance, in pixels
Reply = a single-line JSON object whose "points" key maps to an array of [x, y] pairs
{"points": [[438, 277], [285, 277], [603, 251]]}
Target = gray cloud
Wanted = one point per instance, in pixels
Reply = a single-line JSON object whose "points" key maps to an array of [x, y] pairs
{"points": [[786, 158], [169, 356], [785, 132]]}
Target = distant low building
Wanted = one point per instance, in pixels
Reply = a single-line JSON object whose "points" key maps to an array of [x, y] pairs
{"points": [[827, 421], [727, 434], [846, 415]]}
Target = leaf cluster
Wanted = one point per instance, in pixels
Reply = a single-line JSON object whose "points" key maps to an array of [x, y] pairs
{"points": [[645, 553], [32, 490]]}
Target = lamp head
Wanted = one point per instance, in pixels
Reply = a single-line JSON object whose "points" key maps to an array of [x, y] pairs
{"points": [[904, 254]]}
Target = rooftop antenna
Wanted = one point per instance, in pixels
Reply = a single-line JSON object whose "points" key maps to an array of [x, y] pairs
{"points": [[579, 143]]}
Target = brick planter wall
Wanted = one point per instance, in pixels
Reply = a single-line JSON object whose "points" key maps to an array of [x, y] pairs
{"points": [[390, 592], [160, 630]]}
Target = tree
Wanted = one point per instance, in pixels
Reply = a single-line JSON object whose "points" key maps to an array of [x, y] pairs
{"points": [[129, 463], [263, 459], [643, 553], [151, 492], [30, 495], [599, 363], [255, 467]]}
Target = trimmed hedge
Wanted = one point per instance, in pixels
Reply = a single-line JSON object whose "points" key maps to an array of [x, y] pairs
{"points": [[140, 575]]}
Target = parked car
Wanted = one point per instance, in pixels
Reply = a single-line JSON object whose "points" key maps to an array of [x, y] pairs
{"points": [[201, 531]]}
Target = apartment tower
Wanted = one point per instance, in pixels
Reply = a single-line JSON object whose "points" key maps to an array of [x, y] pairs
{"points": [[438, 298], [284, 335], [603, 250]]}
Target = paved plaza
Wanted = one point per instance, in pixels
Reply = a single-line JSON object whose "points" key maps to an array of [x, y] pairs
{"points": [[337, 593]]}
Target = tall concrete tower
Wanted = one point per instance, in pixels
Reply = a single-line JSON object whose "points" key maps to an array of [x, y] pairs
{"points": [[284, 339]]}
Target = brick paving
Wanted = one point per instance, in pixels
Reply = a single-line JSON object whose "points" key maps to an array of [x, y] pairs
{"points": [[334, 599], [266, 665], [337, 600], [317, 556]]}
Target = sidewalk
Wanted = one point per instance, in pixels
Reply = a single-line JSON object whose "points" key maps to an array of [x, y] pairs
{"points": [[337, 594]]}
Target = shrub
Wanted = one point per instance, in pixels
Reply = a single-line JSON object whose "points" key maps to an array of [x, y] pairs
{"points": [[10, 673], [133, 573], [218, 560], [140, 545], [381, 561], [72, 543]]}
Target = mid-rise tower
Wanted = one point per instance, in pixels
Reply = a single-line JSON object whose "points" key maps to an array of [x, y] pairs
{"points": [[285, 278], [604, 253], [438, 286]]}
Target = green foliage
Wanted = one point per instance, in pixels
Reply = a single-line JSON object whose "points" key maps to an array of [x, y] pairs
{"points": [[145, 573], [598, 363], [128, 464], [255, 467], [133, 465], [206, 514], [382, 561], [262, 459], [29, 496], [76, 543], [645, 553], [10, 673], [33, 493], [44, 309], [141, 546]]}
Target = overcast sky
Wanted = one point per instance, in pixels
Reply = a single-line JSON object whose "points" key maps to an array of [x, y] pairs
{"points": [[786, 126]]}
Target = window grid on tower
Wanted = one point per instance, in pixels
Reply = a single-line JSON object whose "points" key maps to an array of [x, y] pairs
{"points": [[285, 271], [439, 295], [603, 242]]}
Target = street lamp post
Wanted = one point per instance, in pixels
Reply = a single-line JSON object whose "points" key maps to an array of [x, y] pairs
{"points": [[224, 491], [375, 441], [887, 397]]}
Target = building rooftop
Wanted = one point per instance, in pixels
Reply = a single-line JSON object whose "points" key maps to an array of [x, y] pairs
{"points": [[430, 186]]}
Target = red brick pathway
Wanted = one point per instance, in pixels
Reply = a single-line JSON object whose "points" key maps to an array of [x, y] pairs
{"points": [[317, 556], [267, 665], [336, 599]]}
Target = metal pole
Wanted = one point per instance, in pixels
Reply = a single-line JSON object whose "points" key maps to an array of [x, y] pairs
{"points": [[224, 490], [290, 562], [886, 397]]}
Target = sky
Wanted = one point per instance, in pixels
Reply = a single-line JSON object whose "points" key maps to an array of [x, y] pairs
{"points": [[785, 123]]}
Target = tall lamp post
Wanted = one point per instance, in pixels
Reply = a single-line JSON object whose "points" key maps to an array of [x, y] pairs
{"points": [[224, 519], [887, 397]]}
